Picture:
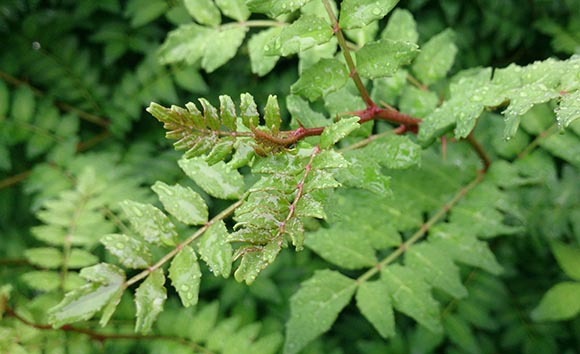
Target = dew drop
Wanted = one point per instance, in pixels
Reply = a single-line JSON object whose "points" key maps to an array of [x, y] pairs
{"points": [[377, 11], [36, 45], [476, 98], [184, 287], [120, 245]]}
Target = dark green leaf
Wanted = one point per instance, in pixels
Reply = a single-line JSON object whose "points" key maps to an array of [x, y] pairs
{"points": [[149, 299], [374, 302], [315, 307], [182, 202], [384, 57], [185, 276], [359, 13], [460, 333], [326, 76]]}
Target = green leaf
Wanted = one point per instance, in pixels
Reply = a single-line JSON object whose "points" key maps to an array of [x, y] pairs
{"points": [[301, 112], [149, 299], [44, 257], [150, 223], [223, 44], [131, 252], [401, 27], [315, 307], [260, 62], [215, 250], [186, 43], [384, 57], [217, 180], [374, 302], [23, 105], [337, 131], [249, 111], [561, 302], [185, 276], [82, 303], [437, 269], [80, 258], [326, 76], [144, 11], [460, 333], [464, 247], [186, 205], [416, 102], [568, 258], [42, 280], [411, 295], [340, 246], [274, 8], [359, 13], [203, 11], [569, 109], [255, 260], [436, 58], [272, 114], [236, 9], [304, 33]]}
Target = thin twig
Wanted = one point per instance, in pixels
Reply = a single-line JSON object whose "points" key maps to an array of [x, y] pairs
{"points": [[483, 156]]}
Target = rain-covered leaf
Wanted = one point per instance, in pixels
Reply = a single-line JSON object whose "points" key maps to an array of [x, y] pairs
{"points": [[401, 27], [315, 307], [254, 260], [561, 302], [411, 294], [217, 180], [568, 258], [272, 114], [149, 299], [186, 43], [337, 131], [203, 11], [326, 76], [185, 276], [215, 250], [182, 202], [301, 111], [436, 58], [82, 303], [274, 8], [260, 62], [374, 302], [249, 111], [384, 57], [569, 109], [359, 13], [150, 223], [436, 268], [304, 33], [131, 252], [223, 44]]}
